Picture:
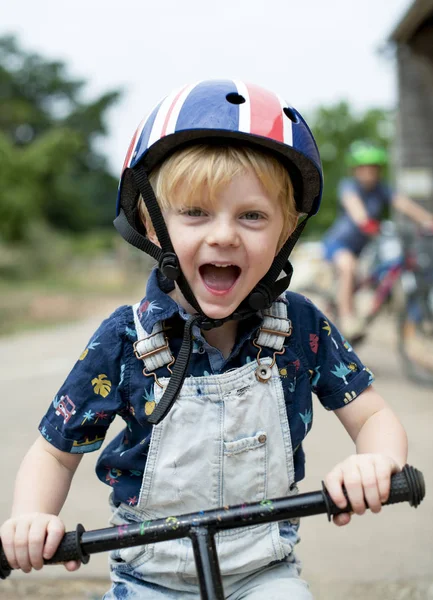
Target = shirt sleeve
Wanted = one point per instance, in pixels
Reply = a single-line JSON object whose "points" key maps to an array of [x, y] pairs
{"points": [[82, 410], [337, 374]]}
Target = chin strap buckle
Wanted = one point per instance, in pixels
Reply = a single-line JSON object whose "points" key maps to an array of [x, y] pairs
{"points": [[169, 265], [208, 324], [260, 298]]}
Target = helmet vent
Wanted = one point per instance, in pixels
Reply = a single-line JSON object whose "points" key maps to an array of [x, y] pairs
{"points": [[289, 112], [235, 98]]}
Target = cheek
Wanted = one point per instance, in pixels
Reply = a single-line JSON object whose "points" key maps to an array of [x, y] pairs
{"points": [[177, 235], [262, 254], [267, 245], [185, 248]]}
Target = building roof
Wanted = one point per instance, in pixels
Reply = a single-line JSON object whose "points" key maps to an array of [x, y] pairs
{"points": [[419, 11]]}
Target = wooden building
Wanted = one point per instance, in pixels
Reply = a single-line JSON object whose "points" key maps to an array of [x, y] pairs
{"points": [[413, 41]]}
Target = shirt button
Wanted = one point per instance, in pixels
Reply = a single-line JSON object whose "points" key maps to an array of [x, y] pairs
{"points": [[201, 350], [262, 438]]}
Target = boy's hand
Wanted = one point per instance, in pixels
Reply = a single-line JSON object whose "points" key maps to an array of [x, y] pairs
{"points": [[30, 538], [370, 227], [366, 478]]}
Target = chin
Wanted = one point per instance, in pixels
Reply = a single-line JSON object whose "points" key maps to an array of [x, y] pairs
{"points": [[217, 312]]}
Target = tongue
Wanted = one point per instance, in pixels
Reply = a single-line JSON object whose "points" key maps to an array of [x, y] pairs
{"points": [[219, 278]]}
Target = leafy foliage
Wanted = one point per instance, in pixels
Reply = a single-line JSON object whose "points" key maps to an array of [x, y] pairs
{"points": [[335, 127], [49, 169]]}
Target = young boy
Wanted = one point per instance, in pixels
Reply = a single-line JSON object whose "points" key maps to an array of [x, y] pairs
{"points": [[213, 185], [363, 198]]}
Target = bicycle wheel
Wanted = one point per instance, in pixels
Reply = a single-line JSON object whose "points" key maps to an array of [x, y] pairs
{"points": [[415, 334]]}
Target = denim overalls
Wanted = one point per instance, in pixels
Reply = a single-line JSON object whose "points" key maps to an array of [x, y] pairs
{"points": [[225, 441]]}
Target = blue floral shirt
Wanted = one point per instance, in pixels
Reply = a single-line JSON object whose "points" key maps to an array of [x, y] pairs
{"points": [[107, 380]]}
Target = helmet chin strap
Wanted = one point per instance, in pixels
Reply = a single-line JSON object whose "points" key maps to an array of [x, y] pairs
{"points": [[271, 286], [261, 297]]}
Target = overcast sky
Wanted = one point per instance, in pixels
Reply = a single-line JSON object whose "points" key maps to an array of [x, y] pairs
{"points": [[311, 51]]}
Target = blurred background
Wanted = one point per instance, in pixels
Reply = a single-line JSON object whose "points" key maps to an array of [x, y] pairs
{"points": [[76, 78]]}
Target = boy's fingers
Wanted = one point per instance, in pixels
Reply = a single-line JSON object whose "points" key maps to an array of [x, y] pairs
{"points": [[7, 540], [72, 565], [370, 486], [37, 533], [353, 485], [383, 476], [333, 483], [342, 519], [55, 532], [22, 546]]}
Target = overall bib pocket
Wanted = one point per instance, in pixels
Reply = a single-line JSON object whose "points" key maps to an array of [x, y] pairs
{"points": [[244, 469]]}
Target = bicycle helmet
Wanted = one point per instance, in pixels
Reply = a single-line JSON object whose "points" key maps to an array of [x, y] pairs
{"points": [[215, 112], [363, 153]]}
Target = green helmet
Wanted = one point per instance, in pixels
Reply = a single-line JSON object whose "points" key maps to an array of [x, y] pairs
{"points": [[366, 153]]}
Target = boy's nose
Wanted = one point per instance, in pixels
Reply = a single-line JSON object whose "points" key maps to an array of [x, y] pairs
{"points": [[223, 233]]}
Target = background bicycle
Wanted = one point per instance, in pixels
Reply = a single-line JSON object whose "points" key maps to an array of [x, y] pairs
{"points": [[396, 276]]}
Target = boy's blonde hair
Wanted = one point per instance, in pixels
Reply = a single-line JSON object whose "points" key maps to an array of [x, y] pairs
{"points": [[205, 169]]}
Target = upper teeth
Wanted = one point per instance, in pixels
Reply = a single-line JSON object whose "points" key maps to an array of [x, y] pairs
{"points": [[222, 265]]}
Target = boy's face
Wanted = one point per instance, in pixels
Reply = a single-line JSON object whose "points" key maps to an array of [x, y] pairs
{"points": [[368, 175], [227, 246]]}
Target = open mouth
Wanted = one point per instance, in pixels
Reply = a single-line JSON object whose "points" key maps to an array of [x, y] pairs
{"points": [[219, 278]]}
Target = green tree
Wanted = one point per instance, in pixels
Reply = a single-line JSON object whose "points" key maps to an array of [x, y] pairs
{"points": [[49, 167], [335, 127]]}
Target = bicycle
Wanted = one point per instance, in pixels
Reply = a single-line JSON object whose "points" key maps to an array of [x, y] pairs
{"points": [[397, 266], [201, 527]]}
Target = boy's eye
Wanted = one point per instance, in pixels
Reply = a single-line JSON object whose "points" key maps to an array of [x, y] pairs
{"points": [[193, 212], [252, 216]]}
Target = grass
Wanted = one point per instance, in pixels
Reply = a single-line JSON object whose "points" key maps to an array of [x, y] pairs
{"points": [[66, 297]]}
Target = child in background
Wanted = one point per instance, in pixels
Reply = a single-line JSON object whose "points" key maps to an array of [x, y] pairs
{"points": [[213, 370], [364, 197]]}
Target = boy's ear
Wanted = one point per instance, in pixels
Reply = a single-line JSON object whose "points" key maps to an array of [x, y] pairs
{"points": [[152, 237]]}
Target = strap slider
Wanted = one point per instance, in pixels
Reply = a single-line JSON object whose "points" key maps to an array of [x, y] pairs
{"points": [[144, 355]]}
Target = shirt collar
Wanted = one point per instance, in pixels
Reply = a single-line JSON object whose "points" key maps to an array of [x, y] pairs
{"points": [[157, 305]]}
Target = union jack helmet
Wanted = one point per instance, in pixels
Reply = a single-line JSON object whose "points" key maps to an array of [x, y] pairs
{"points": [[231, 111]]}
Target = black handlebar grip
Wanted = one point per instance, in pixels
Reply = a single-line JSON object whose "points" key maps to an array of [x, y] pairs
{"points": [[5, 569], [406, 486], [69, 549]]}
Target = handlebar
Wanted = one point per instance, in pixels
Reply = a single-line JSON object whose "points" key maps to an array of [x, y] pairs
{"points": [[406, 486]]}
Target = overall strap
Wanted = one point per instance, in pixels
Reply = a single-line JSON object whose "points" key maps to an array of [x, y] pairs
{"points": [[275, 326], [152, 348]]}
